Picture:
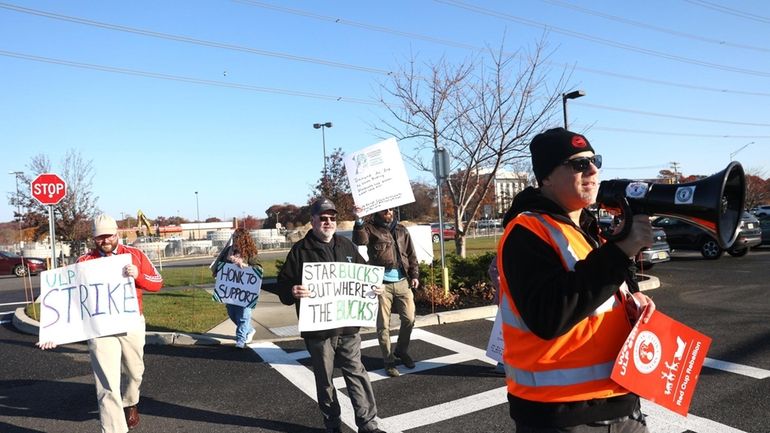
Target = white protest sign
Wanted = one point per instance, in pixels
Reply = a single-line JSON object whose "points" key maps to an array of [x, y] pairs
{"points": [[238, 286], [341, 294], [378, 178], [87, 300], [495, 344]]}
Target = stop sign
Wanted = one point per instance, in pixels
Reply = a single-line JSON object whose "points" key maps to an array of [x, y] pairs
{"points": [[49, 188]]}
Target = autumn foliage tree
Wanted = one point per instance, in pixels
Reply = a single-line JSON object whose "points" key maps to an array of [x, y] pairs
{"points": [[334, 185]]}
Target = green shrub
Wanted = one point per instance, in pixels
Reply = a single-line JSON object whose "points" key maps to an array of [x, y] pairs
{"points": [[469, 283]]}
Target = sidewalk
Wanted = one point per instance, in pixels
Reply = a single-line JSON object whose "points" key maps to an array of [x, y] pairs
{"points": [[274, 321]]}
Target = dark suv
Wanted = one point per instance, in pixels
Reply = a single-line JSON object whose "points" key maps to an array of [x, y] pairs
{"points": [[685, 236], [659, 251]]}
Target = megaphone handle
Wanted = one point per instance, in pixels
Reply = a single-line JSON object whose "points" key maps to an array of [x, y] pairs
{"points": [[628, 218]]}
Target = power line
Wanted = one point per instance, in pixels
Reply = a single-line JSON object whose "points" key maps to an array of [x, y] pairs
{"points": [[190, 40], [324, 62], [730, 11], [263, 89], [671, 116], [674, 134], [639, 24], [479, 49], [180, 78], [602, 41]]}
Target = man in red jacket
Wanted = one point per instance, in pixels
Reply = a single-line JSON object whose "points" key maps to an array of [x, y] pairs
{"points": [[120, 354]]}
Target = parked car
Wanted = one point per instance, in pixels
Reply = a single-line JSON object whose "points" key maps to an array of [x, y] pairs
{"points": [[449, 232], [659, 252], [11, 264], [488, 224], [763, 210], [685, 236], [764, 225]]}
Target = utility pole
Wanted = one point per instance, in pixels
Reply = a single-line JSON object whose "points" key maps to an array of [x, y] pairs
{"points": [[675, 169]]}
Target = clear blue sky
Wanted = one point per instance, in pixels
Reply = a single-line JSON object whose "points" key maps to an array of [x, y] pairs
{"points": [[684, 81]]}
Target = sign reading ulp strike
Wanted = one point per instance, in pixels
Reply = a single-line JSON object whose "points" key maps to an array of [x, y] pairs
{"points": [[238, 286], [661, 361], [87, 300], [341, 294]]}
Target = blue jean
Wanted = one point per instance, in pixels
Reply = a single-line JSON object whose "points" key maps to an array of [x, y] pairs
{"points": [[241, 316]]}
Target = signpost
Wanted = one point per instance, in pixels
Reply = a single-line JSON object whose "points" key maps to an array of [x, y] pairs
{"points": [[49, 189]]}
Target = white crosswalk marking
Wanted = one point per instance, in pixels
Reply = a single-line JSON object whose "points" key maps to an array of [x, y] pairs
{"points": [[659, 419]]}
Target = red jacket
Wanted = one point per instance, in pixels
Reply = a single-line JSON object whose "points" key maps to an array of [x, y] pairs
{"points": [[148, 279]]}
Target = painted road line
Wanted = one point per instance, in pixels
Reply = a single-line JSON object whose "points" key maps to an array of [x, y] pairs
{"points": [[745, 370], [660, 420], [302, 377], [419, 366], [442, 412]]}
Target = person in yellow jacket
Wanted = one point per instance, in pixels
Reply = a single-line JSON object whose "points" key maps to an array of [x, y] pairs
{"points": [[568, 299]]}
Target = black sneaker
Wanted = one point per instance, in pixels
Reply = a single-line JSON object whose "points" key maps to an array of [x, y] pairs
{"points": [[405, 359]]}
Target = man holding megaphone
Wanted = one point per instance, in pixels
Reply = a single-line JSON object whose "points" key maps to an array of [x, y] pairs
{"points": [[569, 298]]}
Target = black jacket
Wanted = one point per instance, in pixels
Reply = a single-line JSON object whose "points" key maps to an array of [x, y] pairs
{"points": [[390, 247], [551, 300], [311, 249]]}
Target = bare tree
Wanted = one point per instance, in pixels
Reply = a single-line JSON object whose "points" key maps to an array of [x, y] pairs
{"points": [[483, 112], [74, 213]]}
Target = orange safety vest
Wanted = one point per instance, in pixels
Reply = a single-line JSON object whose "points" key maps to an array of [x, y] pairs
{"points": [[575, 366]]}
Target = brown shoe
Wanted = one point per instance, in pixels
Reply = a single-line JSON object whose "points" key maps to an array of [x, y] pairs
{"points": [[132, 416], [391, 371]]}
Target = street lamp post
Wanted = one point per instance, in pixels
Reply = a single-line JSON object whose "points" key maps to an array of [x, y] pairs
{"points": [[197, 216], [742, 147], [571, 95], [322, 126], [18, 201]]}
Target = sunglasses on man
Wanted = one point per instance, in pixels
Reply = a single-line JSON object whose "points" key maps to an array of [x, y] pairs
{"points": [[583, 164], [327, 219]]}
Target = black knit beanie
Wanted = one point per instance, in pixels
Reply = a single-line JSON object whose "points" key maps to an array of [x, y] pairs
{"points": [[554, 146]]}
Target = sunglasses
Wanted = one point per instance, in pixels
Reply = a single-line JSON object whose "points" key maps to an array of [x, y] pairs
{"points": [[327, 219], [583, 164]]}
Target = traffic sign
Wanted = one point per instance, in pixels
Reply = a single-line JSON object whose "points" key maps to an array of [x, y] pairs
{"points": [[49, 188]]}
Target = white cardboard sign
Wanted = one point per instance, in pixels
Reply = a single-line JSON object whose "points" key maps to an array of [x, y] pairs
{"points": [[378, 178], [341, 294], [88, 300], [238, 286]]}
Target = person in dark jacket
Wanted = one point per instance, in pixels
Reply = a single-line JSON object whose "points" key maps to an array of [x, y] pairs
{"points": [[568, 299], [340, 347], [389, 245]]}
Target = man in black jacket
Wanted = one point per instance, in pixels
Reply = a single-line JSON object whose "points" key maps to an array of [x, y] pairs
{"points": [[389, 245], [342, 345]]}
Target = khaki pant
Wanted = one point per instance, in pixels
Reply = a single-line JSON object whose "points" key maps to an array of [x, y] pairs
{"points": [[114, 356], [397, 298]]}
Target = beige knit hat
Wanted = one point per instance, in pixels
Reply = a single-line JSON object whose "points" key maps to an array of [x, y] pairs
{"points": [[105, 225]]}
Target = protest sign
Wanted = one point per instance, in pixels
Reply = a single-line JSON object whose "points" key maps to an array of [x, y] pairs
{"points": [[495, 344], [238, 286], [341, 294], [87, 300], [661, 361], [378, 178]]}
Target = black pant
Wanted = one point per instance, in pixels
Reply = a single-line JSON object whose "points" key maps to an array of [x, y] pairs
{"points": [[628, 426]]}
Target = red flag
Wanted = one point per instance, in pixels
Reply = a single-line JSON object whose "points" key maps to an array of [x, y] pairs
{"points": [[661, 361]]}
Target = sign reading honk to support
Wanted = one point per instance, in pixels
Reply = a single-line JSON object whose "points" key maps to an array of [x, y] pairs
{"points": [[341, 294]]}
